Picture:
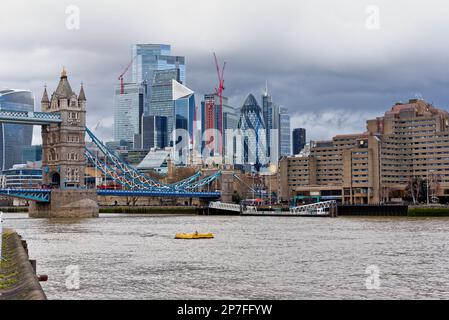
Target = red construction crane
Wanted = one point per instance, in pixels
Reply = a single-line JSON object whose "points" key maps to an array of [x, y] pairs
{"points": [[121, 79], [219, 91], [221, 87]]}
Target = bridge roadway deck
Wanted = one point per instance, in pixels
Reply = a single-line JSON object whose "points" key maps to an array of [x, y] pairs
{"points": [[43, 195]]}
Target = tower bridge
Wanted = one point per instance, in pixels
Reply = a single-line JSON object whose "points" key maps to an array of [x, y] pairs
{"points": [[64, 155]]}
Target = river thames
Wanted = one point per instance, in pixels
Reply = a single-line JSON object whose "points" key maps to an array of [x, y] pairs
{"points": [[137, 257]]}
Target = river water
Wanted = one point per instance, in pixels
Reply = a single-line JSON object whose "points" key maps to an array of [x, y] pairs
{"points": [[137, 257]]}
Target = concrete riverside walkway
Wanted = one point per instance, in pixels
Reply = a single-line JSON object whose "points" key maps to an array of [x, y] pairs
{"points": [[18, 280]]}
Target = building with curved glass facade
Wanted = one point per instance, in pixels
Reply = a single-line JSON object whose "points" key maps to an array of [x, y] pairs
{"points": [[14, 137], [252, 128]]}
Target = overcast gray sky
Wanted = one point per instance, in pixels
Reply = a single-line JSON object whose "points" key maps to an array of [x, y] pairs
{"points": [[329, 62]]}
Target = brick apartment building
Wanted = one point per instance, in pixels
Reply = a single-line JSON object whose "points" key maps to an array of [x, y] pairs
{"points": [[410, 141]]}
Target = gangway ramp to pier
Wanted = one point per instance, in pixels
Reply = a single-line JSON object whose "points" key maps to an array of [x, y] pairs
{"points": [[320, 209], [224, 206]]}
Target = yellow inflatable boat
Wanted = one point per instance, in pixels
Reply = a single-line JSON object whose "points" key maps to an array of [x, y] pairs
{"points": [[195, 235]]}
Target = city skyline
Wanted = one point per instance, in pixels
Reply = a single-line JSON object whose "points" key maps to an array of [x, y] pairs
{"points": [[208, 152], [335, 73]]}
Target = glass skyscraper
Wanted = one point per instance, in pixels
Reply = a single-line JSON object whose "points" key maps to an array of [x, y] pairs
{"points": [[185, 113], [149, 58], [152, 57], [230, 122], [128, 111], [267, 108], [154, 132], [14, 137], [299, 140], [161, 102], [252, 127], [285, 144], [184, 116]]}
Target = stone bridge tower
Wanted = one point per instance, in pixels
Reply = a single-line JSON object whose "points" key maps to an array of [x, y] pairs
{"points": [[63, 160]]}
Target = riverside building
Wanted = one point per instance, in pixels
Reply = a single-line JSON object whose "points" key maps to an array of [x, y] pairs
{"points": [[411, 141]]}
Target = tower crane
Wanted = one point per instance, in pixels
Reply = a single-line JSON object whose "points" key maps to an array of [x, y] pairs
{"points": [[121, 76], [219, 91]]}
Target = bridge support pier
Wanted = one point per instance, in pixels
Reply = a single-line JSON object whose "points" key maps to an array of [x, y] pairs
{"points": [[227, 186], [67, 203]]}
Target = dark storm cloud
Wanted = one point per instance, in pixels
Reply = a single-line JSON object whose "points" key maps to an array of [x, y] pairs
{"points": [[319, 58]]}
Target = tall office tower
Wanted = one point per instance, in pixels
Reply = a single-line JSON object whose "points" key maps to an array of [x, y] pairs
{"points": [[149, 58], [210, 124], [128, 110], [299, 140], [267, 108], [154, 132], [285, 133], [211, 113], [161, 102], [230, 122], [184, 108], [282, 123], [14, 137], [253, 146]]}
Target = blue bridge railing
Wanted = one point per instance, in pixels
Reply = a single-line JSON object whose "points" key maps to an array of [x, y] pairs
{"points": [[44, 195]]}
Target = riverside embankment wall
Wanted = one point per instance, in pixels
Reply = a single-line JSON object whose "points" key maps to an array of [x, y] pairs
{"points": [[18, 280]]}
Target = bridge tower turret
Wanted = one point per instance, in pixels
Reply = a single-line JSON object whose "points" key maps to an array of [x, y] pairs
{"points": [[63, 160]]}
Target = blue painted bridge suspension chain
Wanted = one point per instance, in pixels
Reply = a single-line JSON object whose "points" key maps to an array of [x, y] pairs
{"points": [[130, 178]]}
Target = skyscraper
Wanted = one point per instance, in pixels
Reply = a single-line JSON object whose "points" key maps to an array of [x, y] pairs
{"points": [[267, 108], [144, 61], [154, 132], [152, 57], [161, 102], [230, 122], [184, 107], [210, 124], [211, 113], [299, 140], [14, 137], [282, 124], [148, 58], [128, 111], [253, 148], [285, 134]]}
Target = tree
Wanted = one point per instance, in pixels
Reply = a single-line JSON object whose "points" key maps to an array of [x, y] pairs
{"points": [[434, 186], [414, 187], [132, 200]]}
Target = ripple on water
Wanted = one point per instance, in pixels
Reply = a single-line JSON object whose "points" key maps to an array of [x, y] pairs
{"points": [[137, 257]]}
